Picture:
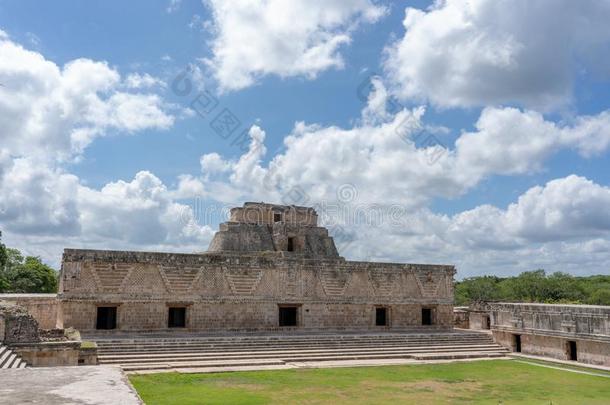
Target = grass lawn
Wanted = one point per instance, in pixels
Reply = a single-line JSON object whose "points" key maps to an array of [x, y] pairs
{"points": [[485, 382]]}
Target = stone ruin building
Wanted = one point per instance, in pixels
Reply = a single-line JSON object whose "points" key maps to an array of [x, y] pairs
{"points": [[565, 332], [270, 267]]}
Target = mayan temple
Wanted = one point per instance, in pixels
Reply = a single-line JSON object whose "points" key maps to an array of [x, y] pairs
{"points": [[268, 267]]}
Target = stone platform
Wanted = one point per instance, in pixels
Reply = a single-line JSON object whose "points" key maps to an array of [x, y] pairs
{"points": [[200, 353], [91, 385]]}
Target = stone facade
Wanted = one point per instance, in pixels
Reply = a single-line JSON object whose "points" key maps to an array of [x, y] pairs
{"points": [[566, 332], [266, 261]]}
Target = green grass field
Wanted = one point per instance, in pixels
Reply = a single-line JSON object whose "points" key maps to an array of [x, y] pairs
{"points": [[481, 382]]}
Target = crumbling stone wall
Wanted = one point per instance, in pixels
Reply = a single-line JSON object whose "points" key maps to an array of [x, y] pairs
{"points": [[43, 307], [19, 325]]}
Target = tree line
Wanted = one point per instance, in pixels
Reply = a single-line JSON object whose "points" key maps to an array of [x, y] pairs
{"points": [[19, 274], [535, 286]]}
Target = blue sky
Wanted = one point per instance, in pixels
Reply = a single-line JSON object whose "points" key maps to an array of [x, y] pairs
{"points": [[513, 99]]}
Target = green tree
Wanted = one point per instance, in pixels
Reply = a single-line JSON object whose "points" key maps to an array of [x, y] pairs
{"points": [[600, 297], [3, 254], [476, 289], [4, 284], [535, 286], [27, 274]]}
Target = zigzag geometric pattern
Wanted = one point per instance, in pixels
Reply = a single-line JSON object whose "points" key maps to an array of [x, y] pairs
{"points": [[179, 280], [383, 282], [429, 283], [110, 277], [334, 282], [243, 281]]}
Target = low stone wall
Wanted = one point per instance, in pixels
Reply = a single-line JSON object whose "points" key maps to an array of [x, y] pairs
{"points": [[48, 354], [589, 352], [43, 307], [461, 317], [479, 320], [546, 330]]}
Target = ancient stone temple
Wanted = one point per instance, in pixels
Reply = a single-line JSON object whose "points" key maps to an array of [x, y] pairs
{"points": [[270, 267]]}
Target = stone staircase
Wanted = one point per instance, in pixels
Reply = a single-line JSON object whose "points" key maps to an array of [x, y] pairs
{"points": [[210, 353], [8, 359]]}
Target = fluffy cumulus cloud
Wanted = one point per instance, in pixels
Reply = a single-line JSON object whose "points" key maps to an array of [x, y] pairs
{"points": [[49, 114], [55, 112], [475, 53], [285, 38], [560, 226], [398, 158]]}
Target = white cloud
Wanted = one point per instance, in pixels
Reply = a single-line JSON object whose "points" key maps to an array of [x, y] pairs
{"points": [[286, 38], [140, 212], [561, 226], [462, 53], [392, 157], [142, 81], [511, 141], [49, 112]]}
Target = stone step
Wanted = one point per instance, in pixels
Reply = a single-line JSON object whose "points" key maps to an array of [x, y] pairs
{"points": [[102, 344], [268, 341], [178, 347], [307, 338], [239, 350], [8, 359], [338, 358], [462, 355], [162, 366], [4, 353], [123, 360]]}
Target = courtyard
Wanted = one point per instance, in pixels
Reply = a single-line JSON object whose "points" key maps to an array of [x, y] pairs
{"points": [[474, 382]]}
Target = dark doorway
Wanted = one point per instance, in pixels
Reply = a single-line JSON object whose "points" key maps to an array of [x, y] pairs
{"points": [[381, 316], [288, 316], [176, 318], [487, 322], [572, 350], [277, 217], [106, 318], [426, 316], [517, 343], [290, 244]]}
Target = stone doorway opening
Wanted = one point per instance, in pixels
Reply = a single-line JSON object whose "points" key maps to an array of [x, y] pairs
{"points": [[106, 318], [486, 322], [426, 316], [277, 217], [288, 315], [572, 350], [176, 317], [517, 343], [290, 247], [381, 316]]}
